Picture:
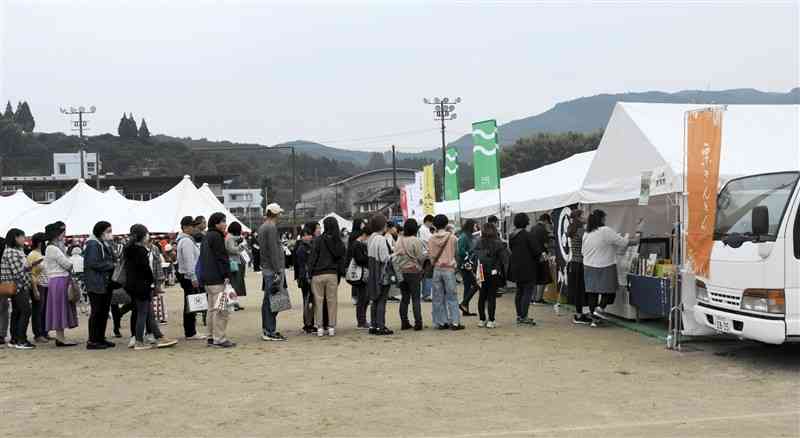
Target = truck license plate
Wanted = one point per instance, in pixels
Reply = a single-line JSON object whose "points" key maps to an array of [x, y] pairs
{"points": [[722, 325]]}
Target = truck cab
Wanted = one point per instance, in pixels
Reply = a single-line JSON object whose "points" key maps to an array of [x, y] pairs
{"points": [[753, 289]]}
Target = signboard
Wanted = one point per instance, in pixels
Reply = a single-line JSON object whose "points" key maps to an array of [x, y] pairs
{"points": [[428, 190], [485, 155], [644, 194]]}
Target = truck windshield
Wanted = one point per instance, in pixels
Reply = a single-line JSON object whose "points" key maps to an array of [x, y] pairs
{"points": [[737, 200]]}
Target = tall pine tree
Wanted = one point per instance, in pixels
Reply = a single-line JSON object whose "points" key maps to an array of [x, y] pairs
{"points": [[144, 133], [9, 113], [122, 129], [133, 130], [23, 117]]}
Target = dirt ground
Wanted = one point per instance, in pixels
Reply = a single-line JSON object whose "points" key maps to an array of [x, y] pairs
{"points": [[555, 379]]}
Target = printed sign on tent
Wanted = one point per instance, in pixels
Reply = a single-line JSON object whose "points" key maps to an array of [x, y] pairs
{"points": [[485, 155], [644, 193], [703, 147]]}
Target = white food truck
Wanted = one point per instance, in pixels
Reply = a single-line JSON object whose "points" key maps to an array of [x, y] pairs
{"points": [[753, 290]]}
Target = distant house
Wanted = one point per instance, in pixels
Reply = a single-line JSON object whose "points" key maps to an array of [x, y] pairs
{"points": [[68, 166], [359, 195], [245, 204]]}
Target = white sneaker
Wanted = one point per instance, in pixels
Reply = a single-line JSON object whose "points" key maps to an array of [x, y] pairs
{"points": [[331, 332], [132, 342], [491, 324], [197, 337], [321, 332], [482, 324]]}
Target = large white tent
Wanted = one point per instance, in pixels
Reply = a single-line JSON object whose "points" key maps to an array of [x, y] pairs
{"points": [[14, 205], [343, 223], [649, 137], [548, 187]]}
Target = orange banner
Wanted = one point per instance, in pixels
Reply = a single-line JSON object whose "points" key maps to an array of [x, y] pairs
{"points": [[703, 145]]}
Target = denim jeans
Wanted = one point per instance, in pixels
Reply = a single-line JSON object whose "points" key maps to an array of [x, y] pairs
{"points": [[362, 302], [4, 317], [410, 289], [378, 309], [37, 312], [427, 287], [445, 298], [145, 320], [522, 299], [269, 319]]}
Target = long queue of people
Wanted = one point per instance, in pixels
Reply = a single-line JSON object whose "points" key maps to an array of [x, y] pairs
{"points": [[211, 264]]}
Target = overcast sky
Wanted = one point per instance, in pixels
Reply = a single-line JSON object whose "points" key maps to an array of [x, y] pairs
{"points": [[353, 74]]}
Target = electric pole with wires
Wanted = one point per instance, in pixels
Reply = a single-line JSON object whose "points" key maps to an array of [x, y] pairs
{"points": [[443, 110]]}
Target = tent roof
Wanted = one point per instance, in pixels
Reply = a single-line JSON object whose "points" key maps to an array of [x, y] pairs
{"points": [[15, 205], [650, 137], [548, 187], [205, 192], [343, 223]]}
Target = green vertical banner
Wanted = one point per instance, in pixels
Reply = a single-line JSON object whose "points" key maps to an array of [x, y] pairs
{"points": [[451, 189], [485, 158]]}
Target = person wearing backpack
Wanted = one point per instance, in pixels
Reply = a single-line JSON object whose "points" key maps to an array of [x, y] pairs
{"points": [[411, 256], [465, 257], [493, 259], [327, 268]]}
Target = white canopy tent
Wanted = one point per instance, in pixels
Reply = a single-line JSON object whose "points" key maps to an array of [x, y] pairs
{"points": [[343, 223], [80, 208], [15, 205], [649, 137], [548, 187]]}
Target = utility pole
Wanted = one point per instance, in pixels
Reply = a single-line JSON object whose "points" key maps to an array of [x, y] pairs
{"points": [[394, 168], [79, 126], [443, 110]]}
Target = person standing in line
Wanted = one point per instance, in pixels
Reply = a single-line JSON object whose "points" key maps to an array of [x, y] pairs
{"points": [[493, 258], [391, 237], [465, 259], [215, 267], [358, 224], [543, 232], [98, 267], [442, 250], [200, 225], [39, 297], [526, 250], [139, 283], [575, 282], [233, 244], [61, 314], [327, 268], [273, 265], [600, 246], [256, 251], [4, 306], [14, 268], [379, 255], [425, 234], [302, 256], [357, 252], [412, 255], [188, 255]]}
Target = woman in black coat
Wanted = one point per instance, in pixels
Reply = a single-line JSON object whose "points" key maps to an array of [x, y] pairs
{"points": [[98, 265], [139, 282], [526, 250]]}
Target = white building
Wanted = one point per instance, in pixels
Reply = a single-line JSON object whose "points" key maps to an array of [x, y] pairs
{"points": [[69, 165], [244, 204]]}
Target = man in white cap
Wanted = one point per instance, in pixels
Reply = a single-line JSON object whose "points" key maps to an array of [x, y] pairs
{"points": [[273, 264]]}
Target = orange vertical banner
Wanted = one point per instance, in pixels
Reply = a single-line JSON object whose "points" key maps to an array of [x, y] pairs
{"points": [[703, 147]]}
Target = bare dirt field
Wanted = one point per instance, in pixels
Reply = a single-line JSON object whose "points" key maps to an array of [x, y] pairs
{"points": [[555, 379]]}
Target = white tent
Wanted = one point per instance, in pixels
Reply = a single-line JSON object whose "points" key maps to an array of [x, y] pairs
{"points": [[343, 223], [548, 187], [205, 192], [80, 209], [13, 206], [647, 137], [126, 211]]}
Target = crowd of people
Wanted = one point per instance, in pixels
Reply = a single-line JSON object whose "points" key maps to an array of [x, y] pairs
{"points": [[43, 279]]}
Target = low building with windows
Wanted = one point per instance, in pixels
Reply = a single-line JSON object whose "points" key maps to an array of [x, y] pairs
{"points": [[68, 166], [359, 195], [245, 204]]}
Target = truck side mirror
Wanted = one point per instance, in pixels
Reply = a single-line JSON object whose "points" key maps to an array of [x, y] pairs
{"points": [[760, 220]]}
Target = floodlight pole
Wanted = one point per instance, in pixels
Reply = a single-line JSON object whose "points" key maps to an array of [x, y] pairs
{"points": [[444, 109], [82, 152]]}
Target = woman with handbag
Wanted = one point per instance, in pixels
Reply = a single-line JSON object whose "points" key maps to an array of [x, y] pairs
{"points": [[39, 297], [98, 267], [411, 254], [359, 264], [233, 244], [326, 268], [378, 290], [16, 272], [139, 283], [493, 259], [61, 313]]}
